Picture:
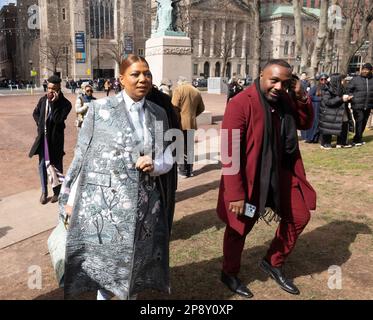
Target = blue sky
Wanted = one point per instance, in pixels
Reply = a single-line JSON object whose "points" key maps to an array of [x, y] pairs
{"points": [[3, 2]]}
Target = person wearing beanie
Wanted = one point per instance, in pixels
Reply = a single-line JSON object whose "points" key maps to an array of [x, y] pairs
{"points": [[361, 88], [50, 115]]}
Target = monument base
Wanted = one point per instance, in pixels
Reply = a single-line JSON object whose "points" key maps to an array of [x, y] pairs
{"points": [[205, 118], [217, 85], [169, 57], [168, 33]]}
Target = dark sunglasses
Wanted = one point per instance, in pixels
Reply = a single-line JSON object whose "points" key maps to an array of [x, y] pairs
{"points": [[89, 91], [323, 79]]}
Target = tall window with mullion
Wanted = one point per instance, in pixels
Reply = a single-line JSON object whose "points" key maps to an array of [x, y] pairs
{"points": [[102, 19]]}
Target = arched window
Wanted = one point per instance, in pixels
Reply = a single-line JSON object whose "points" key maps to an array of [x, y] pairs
{"points": [[217, 69], [206, 69], [292, 50], [228, 72]]}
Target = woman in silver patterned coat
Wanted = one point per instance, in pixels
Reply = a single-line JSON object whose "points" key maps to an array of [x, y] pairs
{"points": [[118, 238]]}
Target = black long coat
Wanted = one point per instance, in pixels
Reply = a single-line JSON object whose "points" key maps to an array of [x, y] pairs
{"points": [[55, 127], [332, 109], [362, 90], [168, 180]]}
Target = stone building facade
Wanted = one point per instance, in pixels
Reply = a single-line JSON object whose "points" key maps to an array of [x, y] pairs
{"points": [[221, 38], [79, 39], [278, 32], [8, 15]]}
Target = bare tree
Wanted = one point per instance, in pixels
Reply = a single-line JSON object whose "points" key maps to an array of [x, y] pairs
{"points": [[226, 50], [115, 50], [300, 48], [358, 16], [54, 52], [255, 7], [321, 37]]}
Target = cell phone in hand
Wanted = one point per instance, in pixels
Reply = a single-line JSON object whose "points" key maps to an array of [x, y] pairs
{"points": [[249, 210]]}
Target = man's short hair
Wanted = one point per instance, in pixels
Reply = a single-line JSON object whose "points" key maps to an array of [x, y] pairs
{"points": [[54, 79], [278, 62]]}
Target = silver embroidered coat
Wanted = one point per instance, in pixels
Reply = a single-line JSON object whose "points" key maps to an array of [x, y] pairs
{"points": [[118, 236]]}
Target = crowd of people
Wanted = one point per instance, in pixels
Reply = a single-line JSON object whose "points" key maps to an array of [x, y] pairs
{"points": [[342, 104], [118, 195]]}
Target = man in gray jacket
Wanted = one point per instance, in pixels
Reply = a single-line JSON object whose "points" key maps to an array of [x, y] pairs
{"points": [[361, 88]]}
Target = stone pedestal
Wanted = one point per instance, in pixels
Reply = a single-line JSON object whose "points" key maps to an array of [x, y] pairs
{"points": [[204, 118], [217, 85], [169, 57]]}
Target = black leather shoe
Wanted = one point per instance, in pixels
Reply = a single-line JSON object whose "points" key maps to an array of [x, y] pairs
{"points": [[277, 275], [235, 285], [54, 198], [43, 198]]}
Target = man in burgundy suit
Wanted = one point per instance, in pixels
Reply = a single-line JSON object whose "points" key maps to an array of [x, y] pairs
{"points": [[270, 175]]}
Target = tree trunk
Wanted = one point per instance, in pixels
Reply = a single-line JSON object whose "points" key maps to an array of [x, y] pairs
{"points": [[366, 17], [329, 51], [300, 49], [346, 44], [257, 42], [321, 36]]}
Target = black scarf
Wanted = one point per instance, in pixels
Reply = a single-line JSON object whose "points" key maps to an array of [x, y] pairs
{"points": [[269, 201]]}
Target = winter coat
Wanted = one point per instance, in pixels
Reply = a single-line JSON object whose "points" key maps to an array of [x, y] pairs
{"points": [[332, 109], [188, 102], [55, 127], [169, 180], [118, 234], [362, 90], [312, 135], [246, 113], [81, 108]]}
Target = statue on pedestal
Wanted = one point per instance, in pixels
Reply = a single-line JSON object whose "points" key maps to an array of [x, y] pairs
{"points": [[167, 14]]}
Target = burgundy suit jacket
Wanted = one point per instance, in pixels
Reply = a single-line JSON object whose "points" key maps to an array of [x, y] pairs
{"points": [[245, 112]]}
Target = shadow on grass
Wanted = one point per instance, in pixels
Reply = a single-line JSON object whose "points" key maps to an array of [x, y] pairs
{"points": [[195, 223], [207, 168], [196, 191], [324, 247], [315, 252], [53, 295], [368, 138], [58, 294]]}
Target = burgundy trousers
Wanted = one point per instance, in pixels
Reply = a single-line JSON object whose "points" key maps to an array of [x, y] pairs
{"points": [[294, 217]]}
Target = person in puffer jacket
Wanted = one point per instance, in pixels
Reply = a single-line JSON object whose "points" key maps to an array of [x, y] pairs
{"points": [[361, 87], [334, 113]]}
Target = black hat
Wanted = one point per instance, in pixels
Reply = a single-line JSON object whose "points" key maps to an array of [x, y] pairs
{"points": [[54, 79], [367, 66]]}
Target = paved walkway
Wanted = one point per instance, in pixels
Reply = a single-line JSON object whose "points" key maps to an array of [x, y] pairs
{"points": [[22, 216]]}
